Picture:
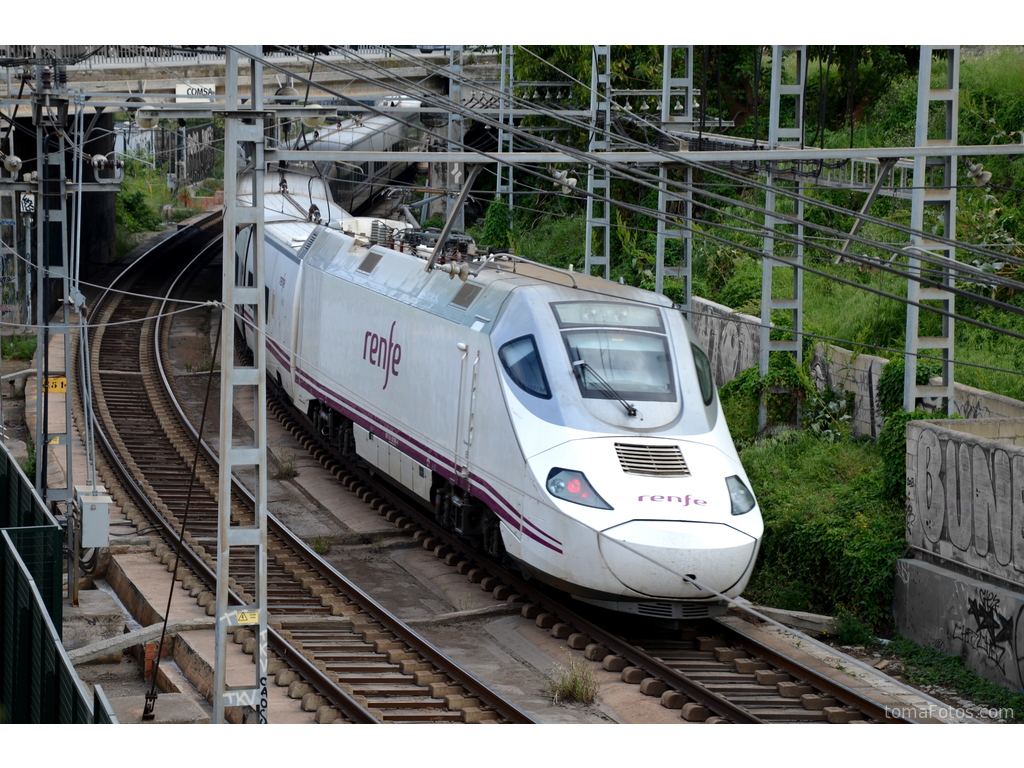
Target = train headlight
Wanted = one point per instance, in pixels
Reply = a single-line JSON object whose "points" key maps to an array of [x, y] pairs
{"points": [[570, 485], [742, 499]]}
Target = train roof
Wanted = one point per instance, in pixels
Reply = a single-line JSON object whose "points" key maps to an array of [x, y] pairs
{"points": [[474, 297], [352, 131]]}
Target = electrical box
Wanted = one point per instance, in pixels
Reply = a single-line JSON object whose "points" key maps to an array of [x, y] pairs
{"points": [[93, 505]]}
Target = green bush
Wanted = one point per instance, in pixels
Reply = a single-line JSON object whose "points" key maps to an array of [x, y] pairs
{"points": [[18, 347], [785, 388], [497, 228], [892, 440], [831, 538], [133, 212]]}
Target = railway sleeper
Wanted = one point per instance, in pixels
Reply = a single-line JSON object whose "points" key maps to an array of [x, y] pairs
{"points": [[780, 715], [793, 690], [771, 677], [415, 702], [750, 666], [457, 701], [327, 715]]}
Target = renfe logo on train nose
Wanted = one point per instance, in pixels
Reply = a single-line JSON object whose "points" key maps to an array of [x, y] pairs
{"points": [[383, 353], [684, 500]]}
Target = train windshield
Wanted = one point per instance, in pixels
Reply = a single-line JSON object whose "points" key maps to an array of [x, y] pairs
{"points": [[618, 351]]}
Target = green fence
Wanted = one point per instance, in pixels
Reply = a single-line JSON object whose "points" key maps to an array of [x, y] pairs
{"points": [[38, 683], [36, 534]]}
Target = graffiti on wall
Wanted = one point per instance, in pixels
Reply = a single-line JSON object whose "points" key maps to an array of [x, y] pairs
{"points": [[841, 370], [986, 629], [732, 340], [965, 500]]}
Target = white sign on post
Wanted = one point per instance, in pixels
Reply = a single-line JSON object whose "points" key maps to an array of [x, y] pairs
{"points": [[188, 93]]}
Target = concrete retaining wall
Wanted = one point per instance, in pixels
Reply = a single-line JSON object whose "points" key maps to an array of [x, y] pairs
{"points": [[965, 497], [732, 340], [964, 592], [965, 617], [843, 370]]}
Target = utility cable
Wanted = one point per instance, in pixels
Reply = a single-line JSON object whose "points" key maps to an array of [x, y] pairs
{"points": [[618, 170], [781, 191]]}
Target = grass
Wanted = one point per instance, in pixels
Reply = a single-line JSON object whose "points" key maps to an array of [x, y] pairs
{"points": [[321, 545], [286, 466], [927, 666], [575, 683], [18, 347], [28, 466]]}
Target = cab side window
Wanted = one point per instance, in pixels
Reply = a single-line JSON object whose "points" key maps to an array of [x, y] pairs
{"points": [[523, 365]]}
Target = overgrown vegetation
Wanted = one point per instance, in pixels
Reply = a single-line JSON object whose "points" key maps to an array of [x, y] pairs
{"points": [[321, 545], [144, 194], [575, 683], [18, 347], [831, 537], [928, 666], [876, 86], [287, 466], [28, 464]]}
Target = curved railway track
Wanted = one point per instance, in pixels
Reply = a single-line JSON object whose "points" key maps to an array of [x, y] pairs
{"points": [[334, 647], [344, 654]]}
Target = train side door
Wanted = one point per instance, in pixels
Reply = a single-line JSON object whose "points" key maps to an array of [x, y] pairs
{"points": [[469, 376]]}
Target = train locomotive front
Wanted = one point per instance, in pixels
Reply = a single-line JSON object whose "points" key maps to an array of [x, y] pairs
{"points": [[639, 502]]}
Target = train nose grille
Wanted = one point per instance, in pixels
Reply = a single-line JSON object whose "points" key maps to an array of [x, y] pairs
{"points": [[677, 610], [656, 460]]}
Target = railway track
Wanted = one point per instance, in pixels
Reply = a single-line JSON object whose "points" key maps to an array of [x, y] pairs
{"points": [[335, 648], [710, 672], [341, 652]]}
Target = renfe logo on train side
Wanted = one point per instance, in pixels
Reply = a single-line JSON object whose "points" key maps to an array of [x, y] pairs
{"points": [[383, 353]]}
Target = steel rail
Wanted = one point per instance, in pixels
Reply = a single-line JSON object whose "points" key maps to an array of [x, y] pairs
{"points": [[715, 703], [337, 696], [366, 603], [832, 687]]}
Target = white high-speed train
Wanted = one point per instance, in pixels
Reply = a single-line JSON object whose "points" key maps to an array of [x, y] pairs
{"points": [[353, 184], [566, 421]]}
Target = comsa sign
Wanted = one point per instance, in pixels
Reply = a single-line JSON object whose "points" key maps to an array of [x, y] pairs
{"points": [[186, 93]]}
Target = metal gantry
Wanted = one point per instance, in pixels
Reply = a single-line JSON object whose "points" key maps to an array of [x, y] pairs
{"points": [[676, 111], [599, 184], [935, 187], [243, 299], [49, 117], [783, 255], [504, 173], [456, 138]]}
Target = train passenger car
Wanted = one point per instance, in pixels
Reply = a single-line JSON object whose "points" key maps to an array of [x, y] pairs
{"points": [[567, 422], [353, 184]]}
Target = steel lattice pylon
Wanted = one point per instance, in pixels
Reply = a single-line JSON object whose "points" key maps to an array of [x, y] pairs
{"points": [[676, 85], [456, 138], [934, 185], [599, 179], [504, 182], [786, 254], [243, 297]]}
